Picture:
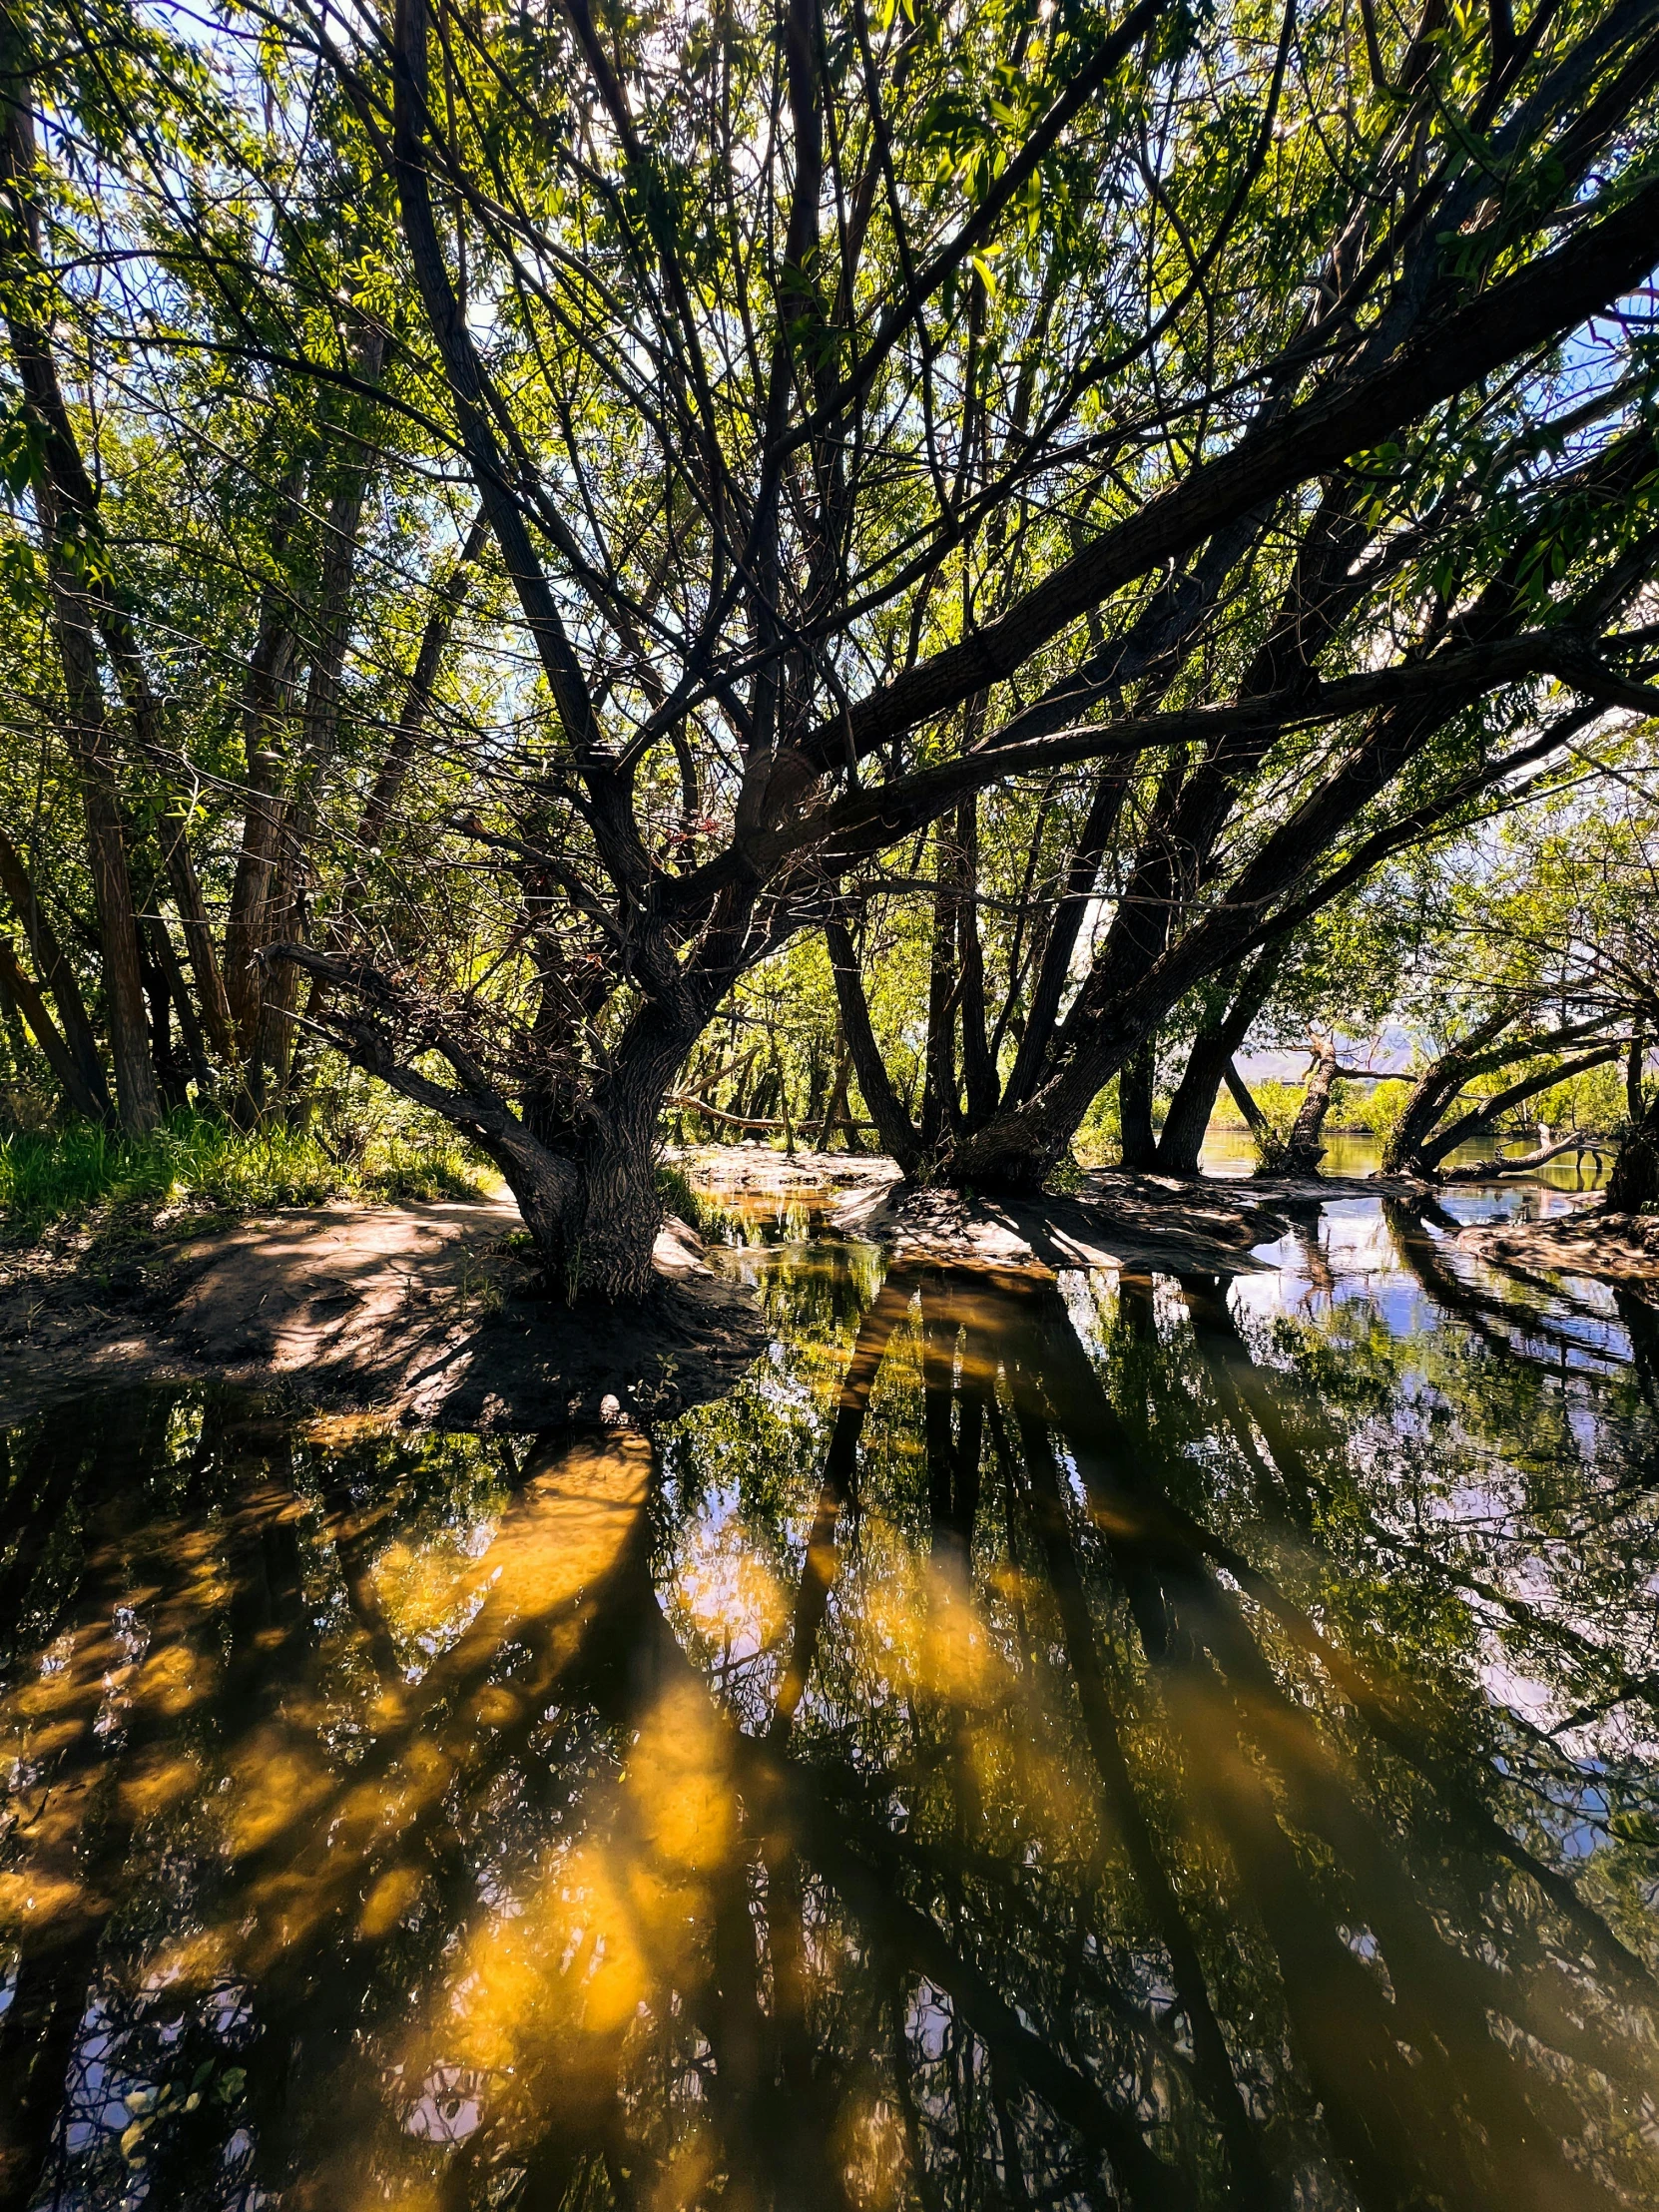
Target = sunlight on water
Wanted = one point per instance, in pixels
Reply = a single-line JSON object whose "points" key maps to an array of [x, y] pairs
{"points": [[1157, 1740]]}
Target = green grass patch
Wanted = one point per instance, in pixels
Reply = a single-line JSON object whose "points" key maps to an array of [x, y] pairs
{"points": [[674, 1189], [197, 1161]]}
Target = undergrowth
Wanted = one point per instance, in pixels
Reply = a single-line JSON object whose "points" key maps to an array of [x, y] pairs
{"points": [[199, 1161]]}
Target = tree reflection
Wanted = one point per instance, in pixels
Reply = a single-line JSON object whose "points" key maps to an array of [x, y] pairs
{"points": [[1027, 1747]]}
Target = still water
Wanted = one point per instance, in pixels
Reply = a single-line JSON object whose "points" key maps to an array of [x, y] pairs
{"points": [[1150, 1742], [1231, 1153]]}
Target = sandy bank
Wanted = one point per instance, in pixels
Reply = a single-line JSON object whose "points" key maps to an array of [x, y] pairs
{"points": [[1617, 1247], [1124, 1223], [426, 1311]]}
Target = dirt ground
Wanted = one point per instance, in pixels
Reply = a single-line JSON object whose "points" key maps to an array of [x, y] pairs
{"points": [[431, 1313], [1131, 1224], [434, 1313], [1614, 1248]]}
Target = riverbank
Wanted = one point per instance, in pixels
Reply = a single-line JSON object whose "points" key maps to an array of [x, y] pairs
{"points": [[423, 1313], [1139, 1223], [1614, 1248], [434, 1313]]}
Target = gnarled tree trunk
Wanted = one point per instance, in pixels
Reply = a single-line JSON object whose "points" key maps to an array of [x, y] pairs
{"points": [[1466, 1125], [1304, 1148]]}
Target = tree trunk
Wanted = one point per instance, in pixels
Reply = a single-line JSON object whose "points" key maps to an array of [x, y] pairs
{"points": [[189, 1026], [1054, 968], [59, 979], [979, 1068], [1634, 1182], [137, 1101], [1214, 1047], [170, 1079], [940, 1115], [319, 730], [1138, 1142], [593, 1218], [1435, 1090], [835, 1112], [1304, 1148], [20, 988], [1524, 1163], [215, 1006], [610, 1256], [893, 1124], [1429, 1155], [1185, 1124], [591, 1202], [268, 699], [1244, 1098], [1134, 983], [66, 506]]}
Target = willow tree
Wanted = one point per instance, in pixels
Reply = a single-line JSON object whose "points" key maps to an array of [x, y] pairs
{"points": [[871, 412]]}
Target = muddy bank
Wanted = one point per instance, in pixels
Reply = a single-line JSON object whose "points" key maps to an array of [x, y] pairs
{"points": [[428, 1313], [1617, 1247], [1112, 1220], [1132, 1224]]}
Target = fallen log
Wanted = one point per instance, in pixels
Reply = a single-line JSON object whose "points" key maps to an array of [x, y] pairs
{"points": [[1493, 1171], [683, 1102]]}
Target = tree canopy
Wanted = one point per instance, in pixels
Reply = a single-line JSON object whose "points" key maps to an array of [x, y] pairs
{"points": [[520, 521]]}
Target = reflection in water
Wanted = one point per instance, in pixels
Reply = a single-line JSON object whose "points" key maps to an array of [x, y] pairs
{"points": [[1232, 1154], [1169, 1744]]}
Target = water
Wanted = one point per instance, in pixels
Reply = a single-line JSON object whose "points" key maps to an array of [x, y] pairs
{"points": [[1231, 1153], [1032, 1744]]}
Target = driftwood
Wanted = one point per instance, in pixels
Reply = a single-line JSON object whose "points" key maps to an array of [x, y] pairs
{"points": [[1492, 1171], [682, 1102]]}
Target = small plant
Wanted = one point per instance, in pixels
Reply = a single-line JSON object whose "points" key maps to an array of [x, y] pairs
{"points": [[401, 1168]]}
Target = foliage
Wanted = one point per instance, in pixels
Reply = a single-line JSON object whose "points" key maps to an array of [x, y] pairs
{"points": [[680, 1196], [197, 1160], [516, 525]]}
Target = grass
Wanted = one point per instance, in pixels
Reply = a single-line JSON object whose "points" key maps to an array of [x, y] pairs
{"points": [[674, 1189], [197, 1161]]}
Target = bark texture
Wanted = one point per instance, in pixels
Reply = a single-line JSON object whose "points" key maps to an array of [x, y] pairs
{"points": [[1634, 1182]]}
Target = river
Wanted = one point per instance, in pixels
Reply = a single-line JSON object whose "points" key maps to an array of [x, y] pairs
{"points": [[1160, 1742]]}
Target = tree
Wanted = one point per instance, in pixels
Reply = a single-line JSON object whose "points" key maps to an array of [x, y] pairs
{"points": [[872, 417], [1541, 967]]}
